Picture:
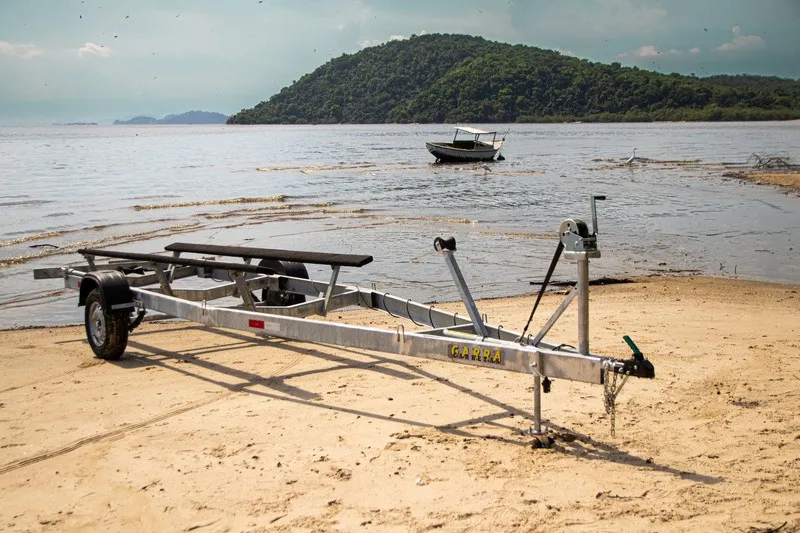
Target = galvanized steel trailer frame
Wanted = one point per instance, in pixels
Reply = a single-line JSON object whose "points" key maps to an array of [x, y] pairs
{"points": [[137, 283]]}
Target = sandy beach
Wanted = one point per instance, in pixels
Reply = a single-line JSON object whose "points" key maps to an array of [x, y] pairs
{"points": [[207, 430]]}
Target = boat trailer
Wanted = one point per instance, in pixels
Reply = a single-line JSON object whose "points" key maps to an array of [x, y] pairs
{"points": [[117, 294]]}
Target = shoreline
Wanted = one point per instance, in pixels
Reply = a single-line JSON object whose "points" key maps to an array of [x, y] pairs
{"points": [[554, 288], [344, 439]]}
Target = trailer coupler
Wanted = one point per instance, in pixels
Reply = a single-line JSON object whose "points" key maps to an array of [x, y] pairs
{"points": [[638, 368]]}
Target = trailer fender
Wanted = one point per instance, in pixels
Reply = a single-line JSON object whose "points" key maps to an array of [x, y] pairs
{"points": [[114, 289]]}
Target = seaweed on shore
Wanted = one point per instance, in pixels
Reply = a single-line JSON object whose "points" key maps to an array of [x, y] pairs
{"points": [[598, 281]]}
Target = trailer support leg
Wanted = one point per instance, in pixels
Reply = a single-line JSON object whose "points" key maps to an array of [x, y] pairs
{"points": [[329, 290], [466, 297], [162, 279], [541, 439], [244, 292]]}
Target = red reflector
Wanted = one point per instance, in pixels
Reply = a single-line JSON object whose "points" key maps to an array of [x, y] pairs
{"points": [[255, 324]]}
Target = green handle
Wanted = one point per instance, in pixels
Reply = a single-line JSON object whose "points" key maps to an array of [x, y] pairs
{"points": [[636, 353]]}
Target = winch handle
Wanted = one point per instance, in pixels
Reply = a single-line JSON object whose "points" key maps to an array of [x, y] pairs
{"points": [[594, 198]]}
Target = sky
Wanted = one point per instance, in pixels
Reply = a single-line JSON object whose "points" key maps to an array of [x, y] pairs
{"points": [[100, 60]]}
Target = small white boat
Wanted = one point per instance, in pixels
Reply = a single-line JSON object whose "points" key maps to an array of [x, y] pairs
{"points": [[478, 148]]}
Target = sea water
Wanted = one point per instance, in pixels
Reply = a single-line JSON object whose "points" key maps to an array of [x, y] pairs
{"points": [[374, 189]]}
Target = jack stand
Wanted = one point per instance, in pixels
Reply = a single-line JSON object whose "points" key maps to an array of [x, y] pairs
{"points": [[541, 439]]}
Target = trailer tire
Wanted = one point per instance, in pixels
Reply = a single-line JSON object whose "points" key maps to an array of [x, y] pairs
{"points": [[286, 268], [106, 331]]}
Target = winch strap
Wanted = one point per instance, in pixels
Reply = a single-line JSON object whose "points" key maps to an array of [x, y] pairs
{"points": [[553, 263]]}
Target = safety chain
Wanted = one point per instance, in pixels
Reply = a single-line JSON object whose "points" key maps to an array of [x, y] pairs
{"points": [[610, 395]]}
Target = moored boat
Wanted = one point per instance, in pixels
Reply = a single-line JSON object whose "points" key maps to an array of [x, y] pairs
{"points": [[477, 148]]}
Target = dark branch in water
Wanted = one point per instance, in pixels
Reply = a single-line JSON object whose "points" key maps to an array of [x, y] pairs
{"points": [[769, 161]]}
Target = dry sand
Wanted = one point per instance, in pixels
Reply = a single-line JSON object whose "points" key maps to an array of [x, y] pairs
{"points": [[206, 430]]}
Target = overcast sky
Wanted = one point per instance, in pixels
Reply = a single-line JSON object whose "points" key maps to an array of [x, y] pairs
{"points": [[97, 60]]}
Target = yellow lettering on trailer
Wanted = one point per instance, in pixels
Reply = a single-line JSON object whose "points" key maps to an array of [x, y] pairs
{"points": [[476, 353]]}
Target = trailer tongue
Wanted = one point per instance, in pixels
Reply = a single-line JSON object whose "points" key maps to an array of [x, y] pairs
{"points": [[117, 295]]}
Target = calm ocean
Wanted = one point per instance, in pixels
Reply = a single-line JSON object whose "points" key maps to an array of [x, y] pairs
{"points": [[374, 189]]}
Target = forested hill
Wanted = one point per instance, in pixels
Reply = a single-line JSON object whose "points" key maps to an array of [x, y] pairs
{"points": [[190, 117], [462, 79]]}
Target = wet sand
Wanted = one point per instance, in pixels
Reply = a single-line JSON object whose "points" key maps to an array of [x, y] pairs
{"points": [[201, 429], [788, 180]]}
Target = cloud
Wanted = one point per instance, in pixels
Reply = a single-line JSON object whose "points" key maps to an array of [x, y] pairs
{"points": [[651, 51], [22, 51], [741, 42], [645, 51], [366, 43], [565, 52], [94, 49]]}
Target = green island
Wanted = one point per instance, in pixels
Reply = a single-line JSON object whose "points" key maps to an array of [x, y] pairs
{"points": [[190, 117], [441, 78]]}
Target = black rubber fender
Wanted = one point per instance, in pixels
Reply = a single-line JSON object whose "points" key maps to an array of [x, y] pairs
{"points": [[114, 288]]}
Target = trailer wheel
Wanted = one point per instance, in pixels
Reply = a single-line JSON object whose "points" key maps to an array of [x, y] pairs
{"points": [[106, 331], [286, 268]]}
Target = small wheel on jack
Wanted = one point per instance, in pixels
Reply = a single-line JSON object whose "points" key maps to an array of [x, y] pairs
{"points": [[106, 330], [542, 441], [286, 268]]}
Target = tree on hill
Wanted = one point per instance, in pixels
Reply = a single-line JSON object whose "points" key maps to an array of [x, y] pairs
{"points": [[458, 78]]}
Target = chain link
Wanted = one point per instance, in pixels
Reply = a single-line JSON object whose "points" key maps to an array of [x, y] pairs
{"points": [[610, 396]]}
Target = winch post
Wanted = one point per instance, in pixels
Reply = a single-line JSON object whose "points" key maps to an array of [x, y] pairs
{"points": [[580, 245], [583, 304]]}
